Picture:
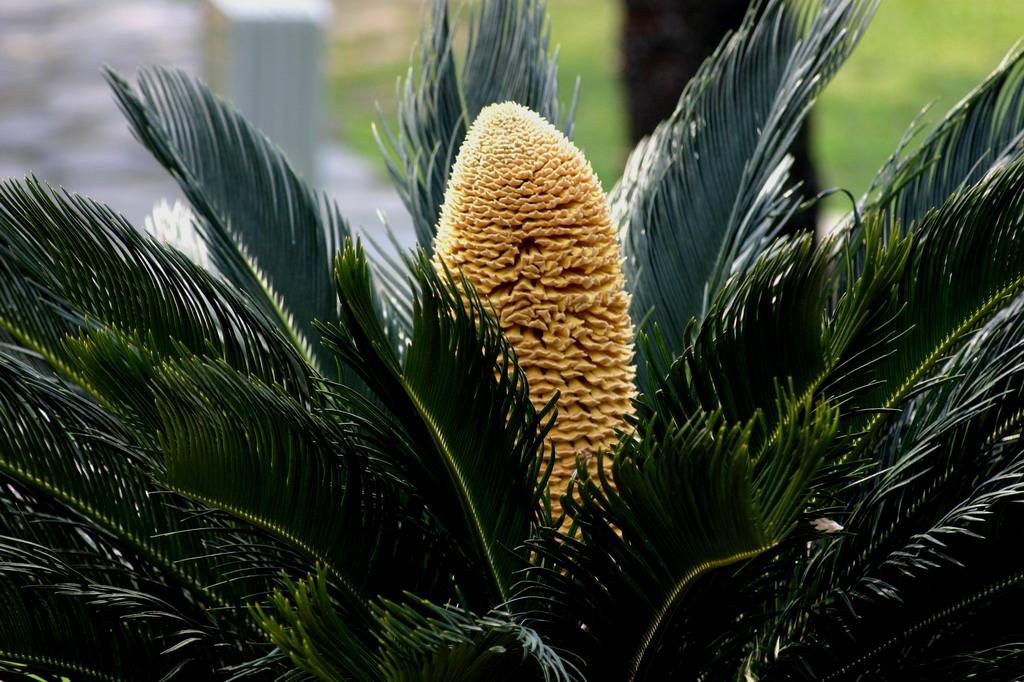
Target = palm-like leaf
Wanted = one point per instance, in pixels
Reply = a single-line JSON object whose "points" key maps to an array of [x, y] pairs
{"points": [[467, 437], [983, 131], [70, 472], [779, 304], [704, 194], [416, 641], [506, 58], [927, 502], [424, 642], [966, 266], [821, 481], [49, 559], [688, 498], [45, 632], [48, 238], [265, 229], [942, 488], [257, 454]]}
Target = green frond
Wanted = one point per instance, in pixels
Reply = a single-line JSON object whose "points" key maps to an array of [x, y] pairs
{"points": [[232, 443], [990, 655], [966, 265], [265, 229], [950, 613], [235, 444], [49, 238], [940, 496], [506, 59], [705, 193], [984, 131], [424, 642], [264, 459], [765, 329], [863, 303], [689, 498], [417, 641], [979, 137], [46, 445], [51, 563], [45, 633], [307, 624], [72, 485], [474, 441]]}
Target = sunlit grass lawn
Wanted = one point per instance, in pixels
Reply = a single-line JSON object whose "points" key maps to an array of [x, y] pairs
{"points": [[916, 52]]}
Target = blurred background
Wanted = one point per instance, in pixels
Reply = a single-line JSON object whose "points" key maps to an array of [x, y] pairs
{"points": [[58, 120]]}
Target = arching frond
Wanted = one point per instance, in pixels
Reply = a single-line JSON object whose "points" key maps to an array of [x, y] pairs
{"points": [[467, 437], [79, 516], [416, 641], [506, 59], [688, 498], [703, 195], [765, 329], [965, 266], [235, 444], [983, 132], [49, 239], [265, 229], [934, 515]]}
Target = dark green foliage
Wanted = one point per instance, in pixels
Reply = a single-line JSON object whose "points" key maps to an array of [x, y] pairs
{"points": [[417, 641], [780, 302], [974, 245], [689, 498], [97, 573], [457, 408], [925, 562], [135, 286], [506, 58], [267, 232], [707, 191], [309, 463]]}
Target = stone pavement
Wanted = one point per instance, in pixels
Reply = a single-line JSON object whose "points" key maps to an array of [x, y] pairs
{"points": [[59, 120]]}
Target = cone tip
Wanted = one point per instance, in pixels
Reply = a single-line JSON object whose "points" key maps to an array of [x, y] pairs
{"points": [[510, 115]]}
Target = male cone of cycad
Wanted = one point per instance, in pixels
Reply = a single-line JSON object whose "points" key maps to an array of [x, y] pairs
{"points": [[525, 220]]}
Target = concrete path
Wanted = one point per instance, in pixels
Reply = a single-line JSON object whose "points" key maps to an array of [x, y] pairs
{"points": [[59, 120]]}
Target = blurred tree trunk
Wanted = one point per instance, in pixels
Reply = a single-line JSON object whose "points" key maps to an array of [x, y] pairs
{"points": [[664, 43]]}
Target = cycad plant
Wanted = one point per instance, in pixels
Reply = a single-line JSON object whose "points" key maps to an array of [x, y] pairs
{"points": [[240, 446]]}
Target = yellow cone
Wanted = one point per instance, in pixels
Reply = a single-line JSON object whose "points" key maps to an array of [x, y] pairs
{"points": [[526, 221]]}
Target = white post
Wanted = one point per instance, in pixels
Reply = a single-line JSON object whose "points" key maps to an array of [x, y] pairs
{"points": [[264, 56]]}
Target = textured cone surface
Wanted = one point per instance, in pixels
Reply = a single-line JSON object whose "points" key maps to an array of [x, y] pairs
{"points": [[526, 221]]}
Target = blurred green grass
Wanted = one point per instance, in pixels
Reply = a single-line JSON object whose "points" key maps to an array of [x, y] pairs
{"points": [[916, 52], [366, 59]]}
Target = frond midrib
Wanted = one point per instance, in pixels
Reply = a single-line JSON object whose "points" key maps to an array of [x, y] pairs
{"points": [[989, 590], [878, 539], [466, 498], [58, 665], [279, 532], [668, 604], [223, 228], [937, 353], [299, 341], [35, 345], [166, 564]]}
